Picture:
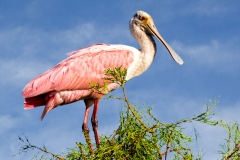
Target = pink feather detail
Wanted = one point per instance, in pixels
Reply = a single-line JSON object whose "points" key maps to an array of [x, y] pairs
{"points": [[70, 80]]}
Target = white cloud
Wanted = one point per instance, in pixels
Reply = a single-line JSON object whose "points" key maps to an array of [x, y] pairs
{"points": [[30, 50], [76, 35], [221, 56], [18, 71]]}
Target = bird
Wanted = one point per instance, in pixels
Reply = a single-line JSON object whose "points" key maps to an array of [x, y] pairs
{"points": [[70, 80]]}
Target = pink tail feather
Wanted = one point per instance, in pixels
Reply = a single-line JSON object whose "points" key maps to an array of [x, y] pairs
{"points": [[36, 101], [49, 106]]}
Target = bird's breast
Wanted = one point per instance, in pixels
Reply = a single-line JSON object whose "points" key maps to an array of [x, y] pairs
{"points": [[139, 65]]}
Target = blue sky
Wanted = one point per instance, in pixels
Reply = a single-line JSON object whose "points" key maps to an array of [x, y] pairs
{"points": [[36, 35]]}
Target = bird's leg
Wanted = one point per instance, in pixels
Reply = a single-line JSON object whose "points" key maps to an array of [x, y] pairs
{"points": [[95, 122], [85, 128]]}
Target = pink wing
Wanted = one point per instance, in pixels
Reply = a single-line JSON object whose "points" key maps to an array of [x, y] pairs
{"points": [[80, 69]]}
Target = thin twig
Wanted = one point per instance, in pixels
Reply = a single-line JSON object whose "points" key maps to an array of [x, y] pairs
{"points": [[237, 148], [168, 142], [81, 150], [88, 140], [29, 145], [113, 136], [133, 112]]}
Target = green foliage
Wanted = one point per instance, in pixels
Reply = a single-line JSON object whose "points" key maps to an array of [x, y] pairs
{"points": [[230, 149], [116, 75], [142, 136]]}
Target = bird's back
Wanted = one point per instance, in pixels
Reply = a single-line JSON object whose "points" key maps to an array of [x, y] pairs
{"points": [[80, 69]]}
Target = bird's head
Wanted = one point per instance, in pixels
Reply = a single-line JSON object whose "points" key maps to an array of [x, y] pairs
{"points": [[143, 22]]}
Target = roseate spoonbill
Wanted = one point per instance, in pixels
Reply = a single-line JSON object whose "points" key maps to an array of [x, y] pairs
{"points": [[69, 81]]}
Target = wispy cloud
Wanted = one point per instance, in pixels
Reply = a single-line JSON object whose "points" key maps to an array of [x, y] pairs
{"points": [[29, 51], [18, 71], [216, 54]]}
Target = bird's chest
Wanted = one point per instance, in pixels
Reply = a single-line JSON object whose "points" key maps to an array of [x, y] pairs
{"points": [[140, 64]]}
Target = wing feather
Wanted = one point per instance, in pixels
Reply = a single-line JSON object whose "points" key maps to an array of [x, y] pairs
{"points": [[80, 69]]}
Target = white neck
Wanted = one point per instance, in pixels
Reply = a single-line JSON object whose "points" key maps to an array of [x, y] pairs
{"points": [[148, 48], [147, 52]]}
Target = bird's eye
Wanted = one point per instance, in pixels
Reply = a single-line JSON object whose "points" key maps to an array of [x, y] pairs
{"points": [[142, 18]]}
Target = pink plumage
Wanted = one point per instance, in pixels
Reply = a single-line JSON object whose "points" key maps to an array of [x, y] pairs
{"points": [[70, 80]]}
